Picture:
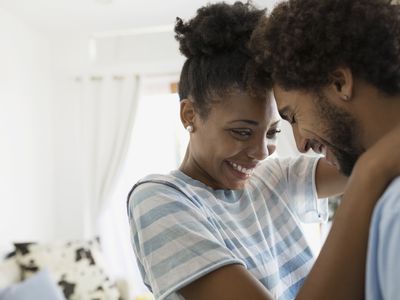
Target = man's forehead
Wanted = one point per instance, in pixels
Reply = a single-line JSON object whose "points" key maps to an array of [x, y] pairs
{"points": [[288, 101], [284, 110], [280, 95], [281, 104]]}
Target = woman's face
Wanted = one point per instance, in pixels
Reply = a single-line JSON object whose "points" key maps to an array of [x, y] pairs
{"points": [[238, 133]]}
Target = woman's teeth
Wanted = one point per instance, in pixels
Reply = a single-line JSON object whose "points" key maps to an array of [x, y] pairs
{"points": [[241, 169]]}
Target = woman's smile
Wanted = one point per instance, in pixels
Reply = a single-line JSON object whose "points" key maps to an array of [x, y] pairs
{"points": [[244, 171]]}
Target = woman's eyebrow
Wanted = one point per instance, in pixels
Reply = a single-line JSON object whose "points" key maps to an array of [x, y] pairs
{"points": [[275, 123], [251, 122]]}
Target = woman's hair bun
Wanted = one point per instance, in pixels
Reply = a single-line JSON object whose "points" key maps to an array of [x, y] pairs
{"points": [[217, 28]]}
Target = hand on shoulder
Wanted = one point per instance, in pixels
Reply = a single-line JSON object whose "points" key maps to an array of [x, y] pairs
{"points": [[383, 158]]}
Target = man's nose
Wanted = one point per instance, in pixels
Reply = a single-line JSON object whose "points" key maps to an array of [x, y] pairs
{"points": [[303, 144]]}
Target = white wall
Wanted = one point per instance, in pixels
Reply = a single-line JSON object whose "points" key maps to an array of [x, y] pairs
{"points": [[26, 133]]}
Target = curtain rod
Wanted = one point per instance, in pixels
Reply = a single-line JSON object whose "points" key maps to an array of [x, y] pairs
{"points": [[121, 77], [134, 31]]}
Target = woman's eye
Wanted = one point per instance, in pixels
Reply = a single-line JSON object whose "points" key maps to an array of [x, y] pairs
{"points": [[272, 134], [241, 133]]}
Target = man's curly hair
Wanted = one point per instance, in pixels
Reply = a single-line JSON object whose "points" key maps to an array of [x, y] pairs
{"points": [[304, 41], [215, 43]]}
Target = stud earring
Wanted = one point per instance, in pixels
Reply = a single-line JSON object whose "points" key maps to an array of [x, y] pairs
{"points": [[189, 128], [345, 97]]}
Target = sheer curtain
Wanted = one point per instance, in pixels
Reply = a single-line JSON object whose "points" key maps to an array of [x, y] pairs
{"points": [[286, 147], [107, 111], [157, 143]]}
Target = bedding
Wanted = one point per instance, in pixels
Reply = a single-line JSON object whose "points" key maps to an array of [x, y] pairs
{"points": [[39, 286], [9, 271], [77, 267]]}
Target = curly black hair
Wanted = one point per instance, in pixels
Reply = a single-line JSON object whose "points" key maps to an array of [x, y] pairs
{"points": [[304, 41], [215, 43]]}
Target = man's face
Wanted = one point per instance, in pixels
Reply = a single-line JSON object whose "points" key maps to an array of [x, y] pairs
{"points": [[322, 126]]}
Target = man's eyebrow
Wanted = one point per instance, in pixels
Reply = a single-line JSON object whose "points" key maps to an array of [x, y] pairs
{"points": [[251, 122], [284, 112]]}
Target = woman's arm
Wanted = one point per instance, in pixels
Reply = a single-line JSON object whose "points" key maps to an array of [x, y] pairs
{"points": [[227, 283], [328, 180], [339, 271]]}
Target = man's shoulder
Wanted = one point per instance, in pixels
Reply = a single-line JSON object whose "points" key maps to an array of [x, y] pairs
{"points": [[389, 202], [394, 187], [387, 209], [383, 269]]}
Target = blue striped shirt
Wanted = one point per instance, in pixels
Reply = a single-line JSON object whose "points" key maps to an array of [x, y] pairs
{"points": [[182, 229]]}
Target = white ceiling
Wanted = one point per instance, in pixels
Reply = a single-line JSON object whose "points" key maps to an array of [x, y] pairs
{"points": [[92, 16]]}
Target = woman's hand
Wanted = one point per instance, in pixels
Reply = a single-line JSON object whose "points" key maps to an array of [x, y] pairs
{"points": [[383, 158], [339, 271]]}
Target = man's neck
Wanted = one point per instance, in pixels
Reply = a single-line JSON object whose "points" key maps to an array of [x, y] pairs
{"points": [[379, 116]]}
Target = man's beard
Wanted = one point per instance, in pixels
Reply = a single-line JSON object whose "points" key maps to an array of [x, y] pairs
{"points": [[342, 134]]}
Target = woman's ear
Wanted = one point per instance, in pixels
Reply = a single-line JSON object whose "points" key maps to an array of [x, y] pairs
{"points": [[187, 112], [342, 84]]}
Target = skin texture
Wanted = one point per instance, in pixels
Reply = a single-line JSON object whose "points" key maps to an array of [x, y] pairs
{"points": [[348, 126], [238, 129], [339, 271], [318, 124]]}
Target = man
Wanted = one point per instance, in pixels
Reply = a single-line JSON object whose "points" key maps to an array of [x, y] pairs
{"points": [[335, 68]]}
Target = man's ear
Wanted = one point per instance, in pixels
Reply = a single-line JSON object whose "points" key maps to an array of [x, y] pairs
{"points": [[187, 112], [342, 84]]}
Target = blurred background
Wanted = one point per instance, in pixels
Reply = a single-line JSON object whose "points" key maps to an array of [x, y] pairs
{"points": [[88, 105]]}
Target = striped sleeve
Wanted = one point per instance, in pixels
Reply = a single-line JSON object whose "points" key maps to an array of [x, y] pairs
{"points": [[303, 198], [295, 180], [173, 240]]}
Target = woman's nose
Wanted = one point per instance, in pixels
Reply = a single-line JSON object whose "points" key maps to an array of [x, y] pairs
{"points": [[259, 150]]}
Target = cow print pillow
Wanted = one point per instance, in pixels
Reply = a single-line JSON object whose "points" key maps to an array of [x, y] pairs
{"points": [[77, 267]]}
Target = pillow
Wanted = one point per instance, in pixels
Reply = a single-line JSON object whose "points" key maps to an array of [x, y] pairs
{"points": [[9, 271], [39, 286], [77, 267]]}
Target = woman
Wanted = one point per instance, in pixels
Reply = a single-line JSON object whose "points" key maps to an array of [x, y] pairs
{"points": [[226, 225]]}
